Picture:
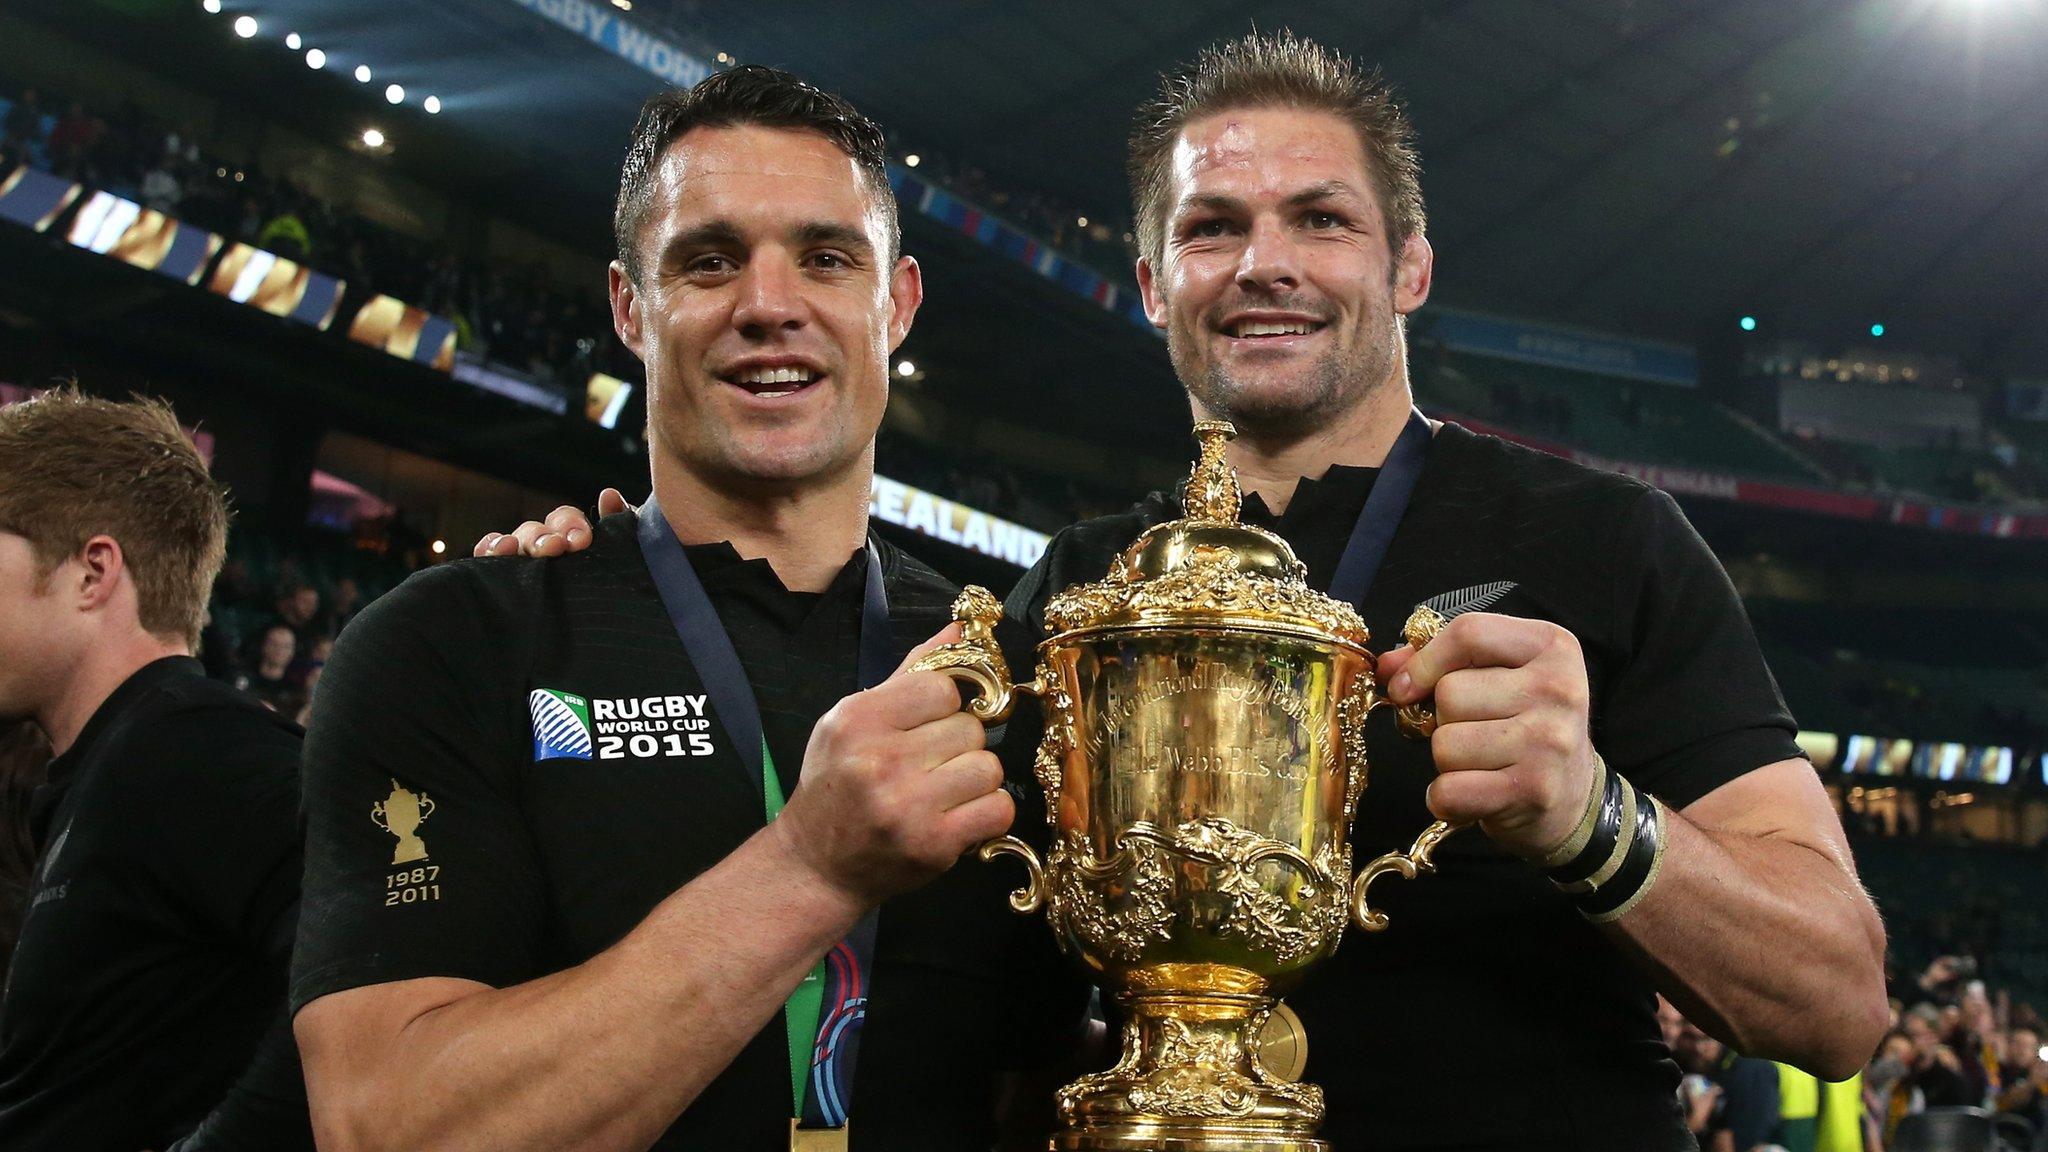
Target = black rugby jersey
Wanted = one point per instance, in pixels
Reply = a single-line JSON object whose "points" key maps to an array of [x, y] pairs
{"points": [[145, 1003], [1489, 1016], [513, 761]]}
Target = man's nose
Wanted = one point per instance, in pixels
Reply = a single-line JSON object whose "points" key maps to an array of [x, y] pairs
{"points": [[1270, 262], [770, 298]]}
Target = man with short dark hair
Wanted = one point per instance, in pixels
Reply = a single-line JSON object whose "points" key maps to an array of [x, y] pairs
{"points": [[144, 1001], [554, 894]]}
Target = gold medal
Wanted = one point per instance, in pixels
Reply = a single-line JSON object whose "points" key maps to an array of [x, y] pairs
{"points": [[1283, 1044], [816, 1139]]}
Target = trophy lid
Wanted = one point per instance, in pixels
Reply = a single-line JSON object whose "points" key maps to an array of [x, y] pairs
{"points": [[1207, 569]]}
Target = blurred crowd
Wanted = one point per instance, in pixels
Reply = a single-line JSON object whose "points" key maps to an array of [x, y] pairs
{"points": [[1104, 243], [1953, 1044], [517, 316], [274, 643]]}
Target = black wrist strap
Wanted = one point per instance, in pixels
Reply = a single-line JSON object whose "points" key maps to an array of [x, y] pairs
{"points": [[1607, 830], [1613, 899]]}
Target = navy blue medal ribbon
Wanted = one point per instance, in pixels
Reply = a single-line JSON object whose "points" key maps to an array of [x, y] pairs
{"points": [[827, 1092], [1388, 502]]}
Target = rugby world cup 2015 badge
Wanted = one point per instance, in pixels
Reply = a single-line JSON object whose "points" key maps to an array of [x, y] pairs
{"points": [[561, 725]]}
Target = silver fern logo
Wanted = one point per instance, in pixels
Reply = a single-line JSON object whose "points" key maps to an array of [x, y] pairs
{"points": [[1478, 598]]}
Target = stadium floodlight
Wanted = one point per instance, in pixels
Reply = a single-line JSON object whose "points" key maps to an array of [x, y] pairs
{"points": [[362, 73], [912, 160], [905, 369], [1748, 323], [292, 41], [395, 94], [432, 104], [245, 26], [316, 59], [212, 6], [372, 138], [1877, 329]]}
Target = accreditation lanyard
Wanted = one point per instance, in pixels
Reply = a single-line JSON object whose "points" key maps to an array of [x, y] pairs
{"points": [[824, 1046], [1383, 511]]}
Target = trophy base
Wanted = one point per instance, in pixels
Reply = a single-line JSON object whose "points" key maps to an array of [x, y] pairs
{"points": [[1140, 1139], [1191, 1080]]}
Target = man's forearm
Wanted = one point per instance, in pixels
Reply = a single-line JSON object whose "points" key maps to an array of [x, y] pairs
{"points": [[604, 1055], [1767, 943]]}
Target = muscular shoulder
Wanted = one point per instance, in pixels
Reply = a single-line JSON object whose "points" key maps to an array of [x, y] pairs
{"points": [[496, 600], [1525, 493]]}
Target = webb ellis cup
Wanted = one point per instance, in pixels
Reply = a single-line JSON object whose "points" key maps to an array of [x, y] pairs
{"points": [[1203, 756]]}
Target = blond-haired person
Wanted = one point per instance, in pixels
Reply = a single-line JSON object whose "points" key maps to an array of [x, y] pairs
{"points": [[144, 1002]]}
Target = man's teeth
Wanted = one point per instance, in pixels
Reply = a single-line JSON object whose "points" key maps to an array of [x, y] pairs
{"points": [[1272, 328], [776, 376]]}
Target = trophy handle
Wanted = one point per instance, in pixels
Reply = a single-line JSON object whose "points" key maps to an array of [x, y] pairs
{"points": [[1031, 896], [1418, 860], [977, 660], [1416, 721]]}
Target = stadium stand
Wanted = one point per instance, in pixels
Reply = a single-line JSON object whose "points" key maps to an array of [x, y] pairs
{"points": [[1613, 417]]}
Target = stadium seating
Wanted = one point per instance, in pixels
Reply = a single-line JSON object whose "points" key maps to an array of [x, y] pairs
{"points": [[1610, 417]]}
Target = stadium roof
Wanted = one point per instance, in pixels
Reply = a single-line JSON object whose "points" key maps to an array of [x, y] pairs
{"points": [[1651, 167]]}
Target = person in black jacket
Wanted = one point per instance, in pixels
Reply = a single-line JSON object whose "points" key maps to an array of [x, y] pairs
{"points": [[144, 1004]]}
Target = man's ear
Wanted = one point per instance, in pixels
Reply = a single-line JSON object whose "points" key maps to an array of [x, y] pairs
{"points": [[906, 292], [1149, 293], [96, 573], [626, 308], [1412, 274]]}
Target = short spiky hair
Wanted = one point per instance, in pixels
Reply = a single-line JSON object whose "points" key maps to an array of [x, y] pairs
{"points": [[73, 467], [749, 94], [1282, 70]]}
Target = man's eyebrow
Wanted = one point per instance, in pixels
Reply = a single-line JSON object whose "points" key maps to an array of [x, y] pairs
{"points": [[713, 234], [710, 234], [1211, 202], [822, 233], [1219, 202], [1323, 190]]}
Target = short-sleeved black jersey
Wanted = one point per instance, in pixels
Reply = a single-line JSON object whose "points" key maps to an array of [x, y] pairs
{"points": [[1489, 1015], [146, 995], [513, 761]]}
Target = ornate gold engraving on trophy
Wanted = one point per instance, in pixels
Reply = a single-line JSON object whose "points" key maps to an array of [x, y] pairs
{"points": [[1203, 757]]}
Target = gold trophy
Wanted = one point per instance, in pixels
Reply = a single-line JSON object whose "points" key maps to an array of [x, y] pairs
{"points": [[1204, 753], [401, 814]]}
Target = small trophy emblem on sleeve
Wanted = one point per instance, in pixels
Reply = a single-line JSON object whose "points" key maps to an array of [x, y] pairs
{"points": [[401, 814]]}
